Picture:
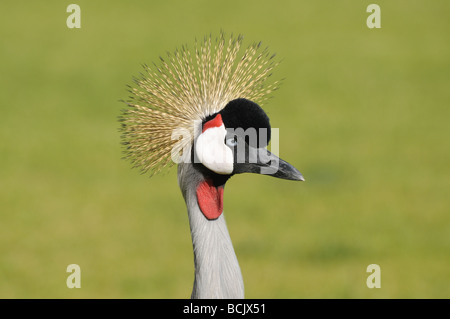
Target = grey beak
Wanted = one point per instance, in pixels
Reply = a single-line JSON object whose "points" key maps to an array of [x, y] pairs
{"points": [[262, 161], [285, 170]]}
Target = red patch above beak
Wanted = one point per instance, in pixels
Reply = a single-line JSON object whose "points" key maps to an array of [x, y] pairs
{"points": [[210, 199], [215, 122]]}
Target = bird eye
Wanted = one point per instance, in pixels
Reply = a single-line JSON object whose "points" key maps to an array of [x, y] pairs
{"points": [[231, 141]]}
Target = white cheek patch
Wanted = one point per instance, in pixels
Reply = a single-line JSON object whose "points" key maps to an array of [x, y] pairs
{"points": [[212, 151]]}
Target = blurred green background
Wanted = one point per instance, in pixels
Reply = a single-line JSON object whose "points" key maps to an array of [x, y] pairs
{"points": [[363, 114]]}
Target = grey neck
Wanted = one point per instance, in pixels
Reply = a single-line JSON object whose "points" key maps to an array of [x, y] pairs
{"points": [[217, 272]]}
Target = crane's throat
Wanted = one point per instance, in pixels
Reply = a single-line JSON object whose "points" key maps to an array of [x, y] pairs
{"points": [[210, 199]]}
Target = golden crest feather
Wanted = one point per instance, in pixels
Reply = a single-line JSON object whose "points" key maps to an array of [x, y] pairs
{"points": [[187, 86]]}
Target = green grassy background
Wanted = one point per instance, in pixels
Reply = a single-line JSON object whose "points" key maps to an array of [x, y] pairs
{"points": [[363, 114]]}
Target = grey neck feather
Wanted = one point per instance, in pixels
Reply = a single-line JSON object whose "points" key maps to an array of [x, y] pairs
{"points": [[217, 272]]}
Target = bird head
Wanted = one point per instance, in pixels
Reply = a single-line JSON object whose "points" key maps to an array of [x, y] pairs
{"points": [[202, 106], [234, 141]]}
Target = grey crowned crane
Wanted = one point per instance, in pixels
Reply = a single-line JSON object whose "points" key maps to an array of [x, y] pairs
{"points": [[199, 109]]}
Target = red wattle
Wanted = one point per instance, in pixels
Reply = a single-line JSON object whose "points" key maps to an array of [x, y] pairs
{"points": [[210, 199]]}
